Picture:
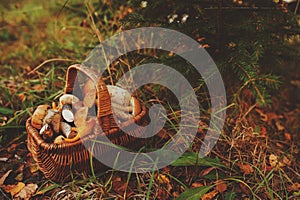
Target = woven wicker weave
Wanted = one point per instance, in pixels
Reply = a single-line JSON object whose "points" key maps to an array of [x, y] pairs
{"points": [[58, 161]]}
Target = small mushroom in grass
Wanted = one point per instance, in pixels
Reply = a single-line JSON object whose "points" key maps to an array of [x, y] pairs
{"points": [[38, 116], [67, 113], [67, 99]]}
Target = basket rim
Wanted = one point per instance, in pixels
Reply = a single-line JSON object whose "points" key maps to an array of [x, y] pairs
{"points": [[34, 133]]}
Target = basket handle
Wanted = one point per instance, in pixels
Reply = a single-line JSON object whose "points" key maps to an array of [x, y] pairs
{"points": [[104, 111]]}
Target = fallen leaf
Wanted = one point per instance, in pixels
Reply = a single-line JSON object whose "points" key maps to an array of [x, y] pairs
{"points": [[33, 167], [196, 184], [27, 191], [221, 186], [262, 115], [294, 187], [285, 162], [3, 178], [287, 136], [244, 189], [13, 189], [175, 194], [279, 126], [263, 130], [163, 179], [273, 159], [210, 195], [121, 187], [207, 171], [38, 87], [246, 168], [295, 83], [273, 116], [21, 97]]}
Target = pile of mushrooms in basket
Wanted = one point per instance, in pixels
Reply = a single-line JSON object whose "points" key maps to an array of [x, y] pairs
{"points": [[70, 119]]}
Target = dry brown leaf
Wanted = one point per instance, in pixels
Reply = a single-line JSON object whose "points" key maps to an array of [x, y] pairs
{"points": [[33, 167], [273, 159], [163, 179], [22, 97], [273, 116], [263, 130], [244, 189], [3, 178], [295, 83], [210, 195], [285, 162], [221, 186], [279, 126], [294, 187], [121, 187], [287, 136], [13, 189], [262, 115], [207, 171], [246, 168], [27, 191], [38, 87], [196, 184]]}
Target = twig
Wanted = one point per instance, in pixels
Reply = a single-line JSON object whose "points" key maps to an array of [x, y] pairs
{"points": [[297, 6], [47, 61]]}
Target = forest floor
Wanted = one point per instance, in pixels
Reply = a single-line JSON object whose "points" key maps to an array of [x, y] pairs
{"points": [[256, 158]]}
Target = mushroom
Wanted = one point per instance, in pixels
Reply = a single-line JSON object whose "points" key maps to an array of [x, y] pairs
{"points": [[136, 106], [83, 130], [67, 99], [119, 95], [38, 116], [52, 117], [67, 113], [46, 132], [66, 129], [59, 139]]}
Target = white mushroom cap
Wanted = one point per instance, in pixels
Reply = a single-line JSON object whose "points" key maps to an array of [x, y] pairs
{"points": [[67, 99]]}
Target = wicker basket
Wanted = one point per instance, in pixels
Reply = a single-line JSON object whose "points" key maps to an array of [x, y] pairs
{"points": [[59, 161]]}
